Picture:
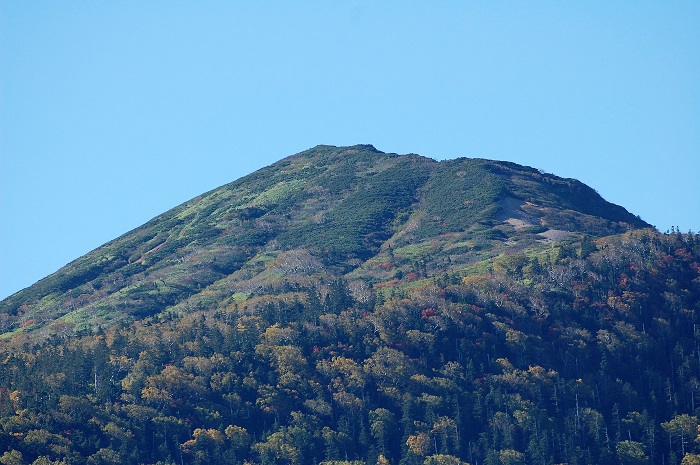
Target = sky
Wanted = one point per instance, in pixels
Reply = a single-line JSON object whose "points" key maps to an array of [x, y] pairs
{"points": [[114, 112]]}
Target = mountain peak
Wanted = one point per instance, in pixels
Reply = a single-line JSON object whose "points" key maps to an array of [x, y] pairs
{"points": [[330, 150], [362, 147]]}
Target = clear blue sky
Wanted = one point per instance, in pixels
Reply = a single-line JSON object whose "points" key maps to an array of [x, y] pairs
{"points": [[113, 112]]}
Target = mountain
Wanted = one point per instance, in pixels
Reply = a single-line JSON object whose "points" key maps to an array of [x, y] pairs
{"points": [[336, 209], [348, 306]]}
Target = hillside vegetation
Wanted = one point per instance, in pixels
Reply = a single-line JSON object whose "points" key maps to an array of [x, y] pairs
{"points": [[348, 205], [347, 306]]}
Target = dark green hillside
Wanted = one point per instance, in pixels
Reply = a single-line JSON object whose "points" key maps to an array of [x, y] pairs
{"points": [[462, 193], [350, 306], [360, 223]]}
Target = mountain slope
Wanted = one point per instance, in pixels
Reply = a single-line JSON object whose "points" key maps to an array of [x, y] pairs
{"points": [[345, 306], [342, 205]]}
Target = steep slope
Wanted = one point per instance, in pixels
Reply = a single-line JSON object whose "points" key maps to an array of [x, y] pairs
{"points": [[344, 208]]}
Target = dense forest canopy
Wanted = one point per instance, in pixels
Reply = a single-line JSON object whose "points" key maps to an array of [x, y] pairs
{"points": [[503, 323]]}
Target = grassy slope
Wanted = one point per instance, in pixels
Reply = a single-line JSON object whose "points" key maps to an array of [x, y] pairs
{"points": [[356, 210]]}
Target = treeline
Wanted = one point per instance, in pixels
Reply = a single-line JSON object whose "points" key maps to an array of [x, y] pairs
{"points": [[584, 353]]}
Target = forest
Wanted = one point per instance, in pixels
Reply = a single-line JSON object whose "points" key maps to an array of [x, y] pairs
{"points": [[584, 351]]}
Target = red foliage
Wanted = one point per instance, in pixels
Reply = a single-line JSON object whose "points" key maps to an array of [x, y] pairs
{"points": [[393, 282], [684, 254], [428, 313], [623, 281]]}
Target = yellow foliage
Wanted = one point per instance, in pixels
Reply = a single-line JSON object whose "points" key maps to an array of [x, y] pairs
{"points": [[476, 280], [691, 459], [443, 459], [419, 444]]}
